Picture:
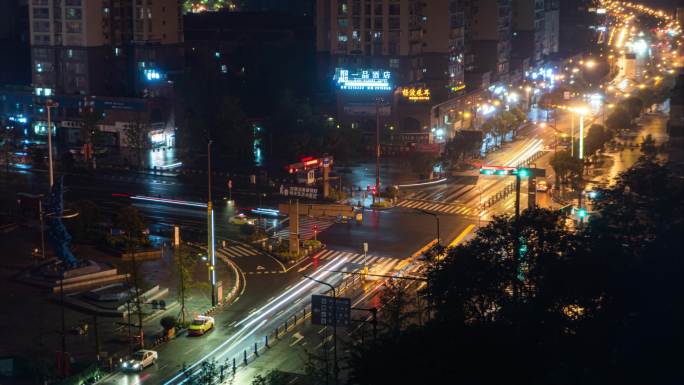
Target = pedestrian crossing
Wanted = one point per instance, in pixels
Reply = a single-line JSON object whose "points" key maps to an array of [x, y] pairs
{"points": [[235, 251], [445, 208], [307, 227], [445, 193], [378, 265]]}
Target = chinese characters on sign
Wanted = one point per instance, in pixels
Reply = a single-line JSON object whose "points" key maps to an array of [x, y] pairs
{"points": [[363, 80], [297, 191], [416, 94], [322, 312]]}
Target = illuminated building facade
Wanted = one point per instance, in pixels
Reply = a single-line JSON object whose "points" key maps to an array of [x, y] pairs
{"points": [[420, 42], [103, 47]]}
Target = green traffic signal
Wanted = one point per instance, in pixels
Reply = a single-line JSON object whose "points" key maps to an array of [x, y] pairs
{"points": [[582, 213], [523, 172]]}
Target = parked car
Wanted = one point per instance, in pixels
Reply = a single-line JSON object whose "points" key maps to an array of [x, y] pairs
{"points": [[200, 325], [140, 360]]}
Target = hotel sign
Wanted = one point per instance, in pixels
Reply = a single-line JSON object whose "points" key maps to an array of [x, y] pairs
{"points": [[362, 80]]}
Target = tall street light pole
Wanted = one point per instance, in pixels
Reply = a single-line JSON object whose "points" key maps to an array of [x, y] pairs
{"points": [[48, 105], [377, 147], [436, 219], [336, 368], [210, 231]]}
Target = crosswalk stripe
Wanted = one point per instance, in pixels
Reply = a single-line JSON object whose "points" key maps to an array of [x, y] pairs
{"points": [[246, 250], [235, 252], [328, 254], [460, 191]]}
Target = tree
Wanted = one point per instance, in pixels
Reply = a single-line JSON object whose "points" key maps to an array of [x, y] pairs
{"points": [[168, 322], [633, 105], [395, 304], [618, 119], [529, 293], [488, 129], [566, 167], [85, 226], [596, 138], [273, 377], [423, 163], [136, 136], [186, 264], [129, 220], [648, 146], [7, 145], [519, 118]]}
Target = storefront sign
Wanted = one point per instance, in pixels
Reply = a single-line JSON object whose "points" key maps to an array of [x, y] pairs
{"points": [[416, 94]]}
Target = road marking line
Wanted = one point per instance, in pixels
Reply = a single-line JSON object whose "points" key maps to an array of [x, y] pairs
{"points": [[463, 234]]}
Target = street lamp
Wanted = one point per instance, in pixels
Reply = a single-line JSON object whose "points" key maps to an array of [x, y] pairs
{"points": [[436, 218], [581, 111], [48, 105], [210, 230]]}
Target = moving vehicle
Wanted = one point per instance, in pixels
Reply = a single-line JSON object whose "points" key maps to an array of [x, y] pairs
{"points": [[140, 360], [200, 325], [542, 185], [242, 219]]}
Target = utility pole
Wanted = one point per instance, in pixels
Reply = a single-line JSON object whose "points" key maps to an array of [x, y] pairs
{"points": [[42, 228], [61, 302], [210, 231], [377, 147], [48, 105]]}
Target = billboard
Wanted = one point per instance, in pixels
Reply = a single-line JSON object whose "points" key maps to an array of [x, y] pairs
{"points": [[363, 79]]}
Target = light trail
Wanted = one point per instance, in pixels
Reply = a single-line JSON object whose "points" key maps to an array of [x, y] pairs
{"points": [[259, 315], [169, 201], [424, 183], [305, 283]]}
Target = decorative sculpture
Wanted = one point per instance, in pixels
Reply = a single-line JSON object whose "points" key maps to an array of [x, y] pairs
{"points": [[58, 236]]}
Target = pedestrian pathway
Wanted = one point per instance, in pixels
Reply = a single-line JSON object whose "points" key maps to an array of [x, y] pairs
{"points": [[237, 251], [307, 227], [445, 194], [445, 208]]}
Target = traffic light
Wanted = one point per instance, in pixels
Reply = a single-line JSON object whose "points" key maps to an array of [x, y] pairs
{"points": [[505, 171], [581, 213], [523, 172]]}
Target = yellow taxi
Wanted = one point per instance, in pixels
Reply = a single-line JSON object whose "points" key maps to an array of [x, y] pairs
{"points": [[200, 325]]}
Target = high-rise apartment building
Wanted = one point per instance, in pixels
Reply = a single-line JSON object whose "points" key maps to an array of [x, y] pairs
{"points": [[551, 26], [421, 42], [488, 37], [103, 47], [528, 30]]}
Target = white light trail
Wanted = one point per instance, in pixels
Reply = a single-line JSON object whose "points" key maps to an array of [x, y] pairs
{"points": [[261, 313], [169, 201]]}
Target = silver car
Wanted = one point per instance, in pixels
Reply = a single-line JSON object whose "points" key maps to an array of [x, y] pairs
{"points": [[140, 360]]}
